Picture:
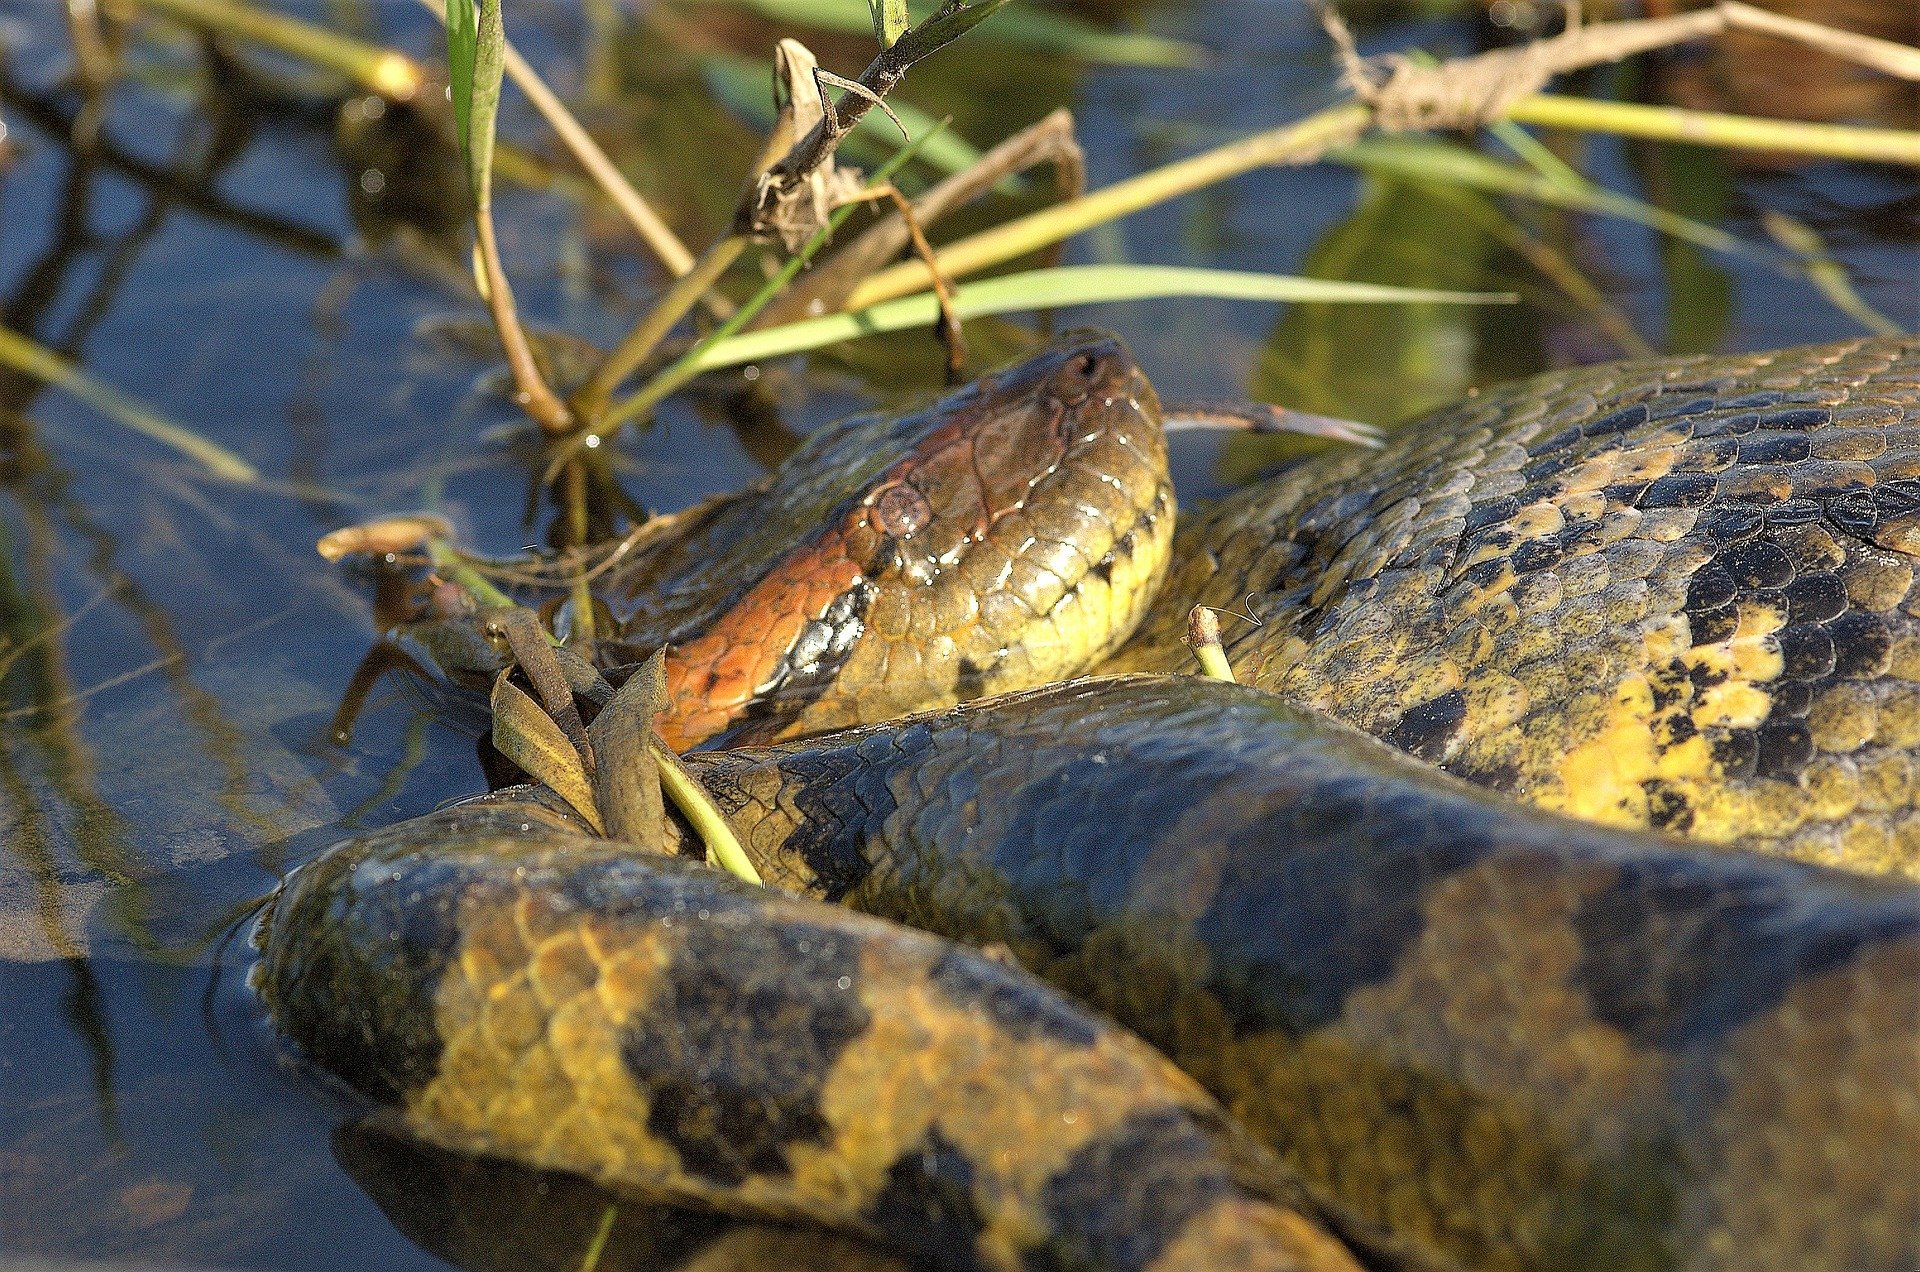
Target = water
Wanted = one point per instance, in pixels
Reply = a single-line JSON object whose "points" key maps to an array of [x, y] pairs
{"points": [[173, 648]]}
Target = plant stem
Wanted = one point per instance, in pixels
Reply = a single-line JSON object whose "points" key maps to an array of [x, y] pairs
{"points": [[654, 232], [678, 299], [394, 76], [576, 486], [1706, 128], [1295, 143], [450, 563], [1307, 139], [536, 399], [687, 366]]}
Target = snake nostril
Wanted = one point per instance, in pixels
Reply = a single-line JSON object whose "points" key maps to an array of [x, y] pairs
{"points": [[1074, 381]]}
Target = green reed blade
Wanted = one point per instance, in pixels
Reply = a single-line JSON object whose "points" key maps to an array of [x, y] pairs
{"points": [[1058, 288], [43, 364]]}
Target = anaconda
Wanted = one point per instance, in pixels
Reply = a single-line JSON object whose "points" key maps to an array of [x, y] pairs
{"points": [[1624, 1002], [1494, 1036], [517, 988], [1677, 593]]}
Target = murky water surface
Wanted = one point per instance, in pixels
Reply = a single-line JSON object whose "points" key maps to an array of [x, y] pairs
{"points": [[252, 259]]}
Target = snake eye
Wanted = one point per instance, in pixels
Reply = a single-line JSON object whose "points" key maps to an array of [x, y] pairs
{"points": [[900, 510]]}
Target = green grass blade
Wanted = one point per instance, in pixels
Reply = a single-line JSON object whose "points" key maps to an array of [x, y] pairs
{"points": [[890, 21], [1445, 162], [463, 42], [1530, 150], [1025, 28], [489, 65], [43, 364], [476, 61], [1058, 288], [688, 365]]}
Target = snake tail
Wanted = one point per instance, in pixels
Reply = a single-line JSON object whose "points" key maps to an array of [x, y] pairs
{"points": [[514, 988]]}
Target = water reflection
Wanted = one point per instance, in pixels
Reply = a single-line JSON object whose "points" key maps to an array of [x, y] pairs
{"points": [[481, 1215]]}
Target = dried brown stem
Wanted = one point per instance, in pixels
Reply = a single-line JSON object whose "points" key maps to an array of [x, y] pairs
{"points": [[661, 319], [826, 288], [814, 151], [536, 398], [654, 232], [950, 333]]}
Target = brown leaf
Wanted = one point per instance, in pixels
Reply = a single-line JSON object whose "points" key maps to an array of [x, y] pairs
{"points": [[528, 736]]}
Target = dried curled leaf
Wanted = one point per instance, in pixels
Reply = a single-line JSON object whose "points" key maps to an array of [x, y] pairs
{"points": [[793, 207], [627, 781], [399, 533], [528, 736]]}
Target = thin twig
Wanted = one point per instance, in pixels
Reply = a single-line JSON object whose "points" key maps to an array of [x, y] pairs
{"points": [[654, 232], [1295, 143], [825, 288], [666, 313], [1864, 50], [687, 365], [950, 332], [879, 78], [1307, 139]]}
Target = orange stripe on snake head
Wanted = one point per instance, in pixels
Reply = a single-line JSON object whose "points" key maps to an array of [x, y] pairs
{"points": [[964, 466], [711, 682]]}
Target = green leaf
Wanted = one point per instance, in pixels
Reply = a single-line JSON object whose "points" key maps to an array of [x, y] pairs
{"points": [[890, 20], [1449, 163], [946, 25], [462, 41], [679, 785], [476, 61], [1058, 288]]}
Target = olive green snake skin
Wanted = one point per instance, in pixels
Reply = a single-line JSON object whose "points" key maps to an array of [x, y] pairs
{"points": [[1670, 593], [1676, 593]]}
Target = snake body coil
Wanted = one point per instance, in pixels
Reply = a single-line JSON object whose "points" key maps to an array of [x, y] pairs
{"points": [[1672, 594], [1506, 1038], [516, 988], [1678, 593]]}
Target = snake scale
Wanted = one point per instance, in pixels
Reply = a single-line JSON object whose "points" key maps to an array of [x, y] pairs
{"points": [[1448, 1028]]}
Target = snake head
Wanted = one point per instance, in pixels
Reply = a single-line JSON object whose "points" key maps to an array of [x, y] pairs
{"points": [[1004, 535], [1008, 534]]}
